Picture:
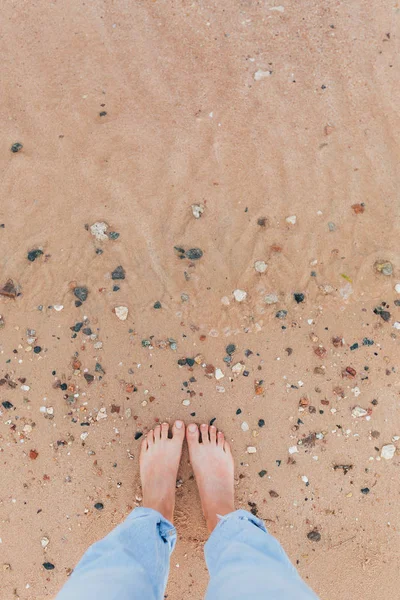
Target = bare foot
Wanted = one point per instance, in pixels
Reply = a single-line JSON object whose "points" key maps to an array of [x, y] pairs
{"points": [[212, 464], [159, 462]]}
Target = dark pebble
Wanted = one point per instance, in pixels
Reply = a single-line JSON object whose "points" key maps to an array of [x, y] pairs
{"points": [[213, 421], [99, 506], [99, 251], [116, 288], [281, 314], [87, 331], [248, 353], [368, 342], [246, 373], [118, 273], [262, 473], [273, 494], [78, 303], [81, 293], [102, 113], [63, 386], [253, 508], [7, 405], [113, 235], [89, 378], [354, 346], [37, 349], [48, 566], [365, 491], [194, 253], [298, 297], [314, 536], [99, 369], [77, 327], [397, 302], [157, 304], [230, 349], [190, 362], [385, 314], [138, 435], [34, 254], [16, 147], [261, 422], [239, 411]]}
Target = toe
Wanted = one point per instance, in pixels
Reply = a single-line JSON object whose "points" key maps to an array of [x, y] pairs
{"points": [[221, 439], [164, 431], [192, 434], [150, 438], [178, 431], [213, 434], [227, 448], [204, 434], [143, 445], [157, 433]]}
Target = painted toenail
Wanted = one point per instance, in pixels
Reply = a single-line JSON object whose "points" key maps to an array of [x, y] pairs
{"points": [[192, 427], [178, 424]]}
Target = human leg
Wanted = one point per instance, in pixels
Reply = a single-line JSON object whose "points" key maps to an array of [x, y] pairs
{"points": [[132, 562], [243, 559]]}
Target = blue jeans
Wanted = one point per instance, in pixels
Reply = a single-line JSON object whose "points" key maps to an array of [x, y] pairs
{"points": [[132, 562]]}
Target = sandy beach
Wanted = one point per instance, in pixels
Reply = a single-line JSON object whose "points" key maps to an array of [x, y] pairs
{"points": [[199, 219]]}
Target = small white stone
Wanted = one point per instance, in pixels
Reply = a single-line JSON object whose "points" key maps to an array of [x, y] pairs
{"points": [[245, 426], [220, 389], [278, 8], [197, 210], [98, 230], [293, 450], [251, 450], [240, 295], [237, 368], [388, 451], [261, 74], [356, 391], [25, 388], [292, 220], [50, 410], [304, 479], [58, 307], [260, 266], [186, 402], [98, 345], [358, 412], [271, 299], [121, 312], [395, 438], [44, 541], [396, 325], [218, 374], [102, 414], [84, 435], [397, 288]]}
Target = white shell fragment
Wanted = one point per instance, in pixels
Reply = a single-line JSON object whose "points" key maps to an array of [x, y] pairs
{"points": [[388, 451], [260, 266], [121, 312], [358, 412], [239, 295], [98, 230]]}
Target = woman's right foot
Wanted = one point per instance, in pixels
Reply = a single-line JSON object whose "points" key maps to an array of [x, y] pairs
{"points": [[212, 462]]}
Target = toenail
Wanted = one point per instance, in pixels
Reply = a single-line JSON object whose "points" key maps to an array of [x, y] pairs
{"points": [[178, 424], [192, 427]]}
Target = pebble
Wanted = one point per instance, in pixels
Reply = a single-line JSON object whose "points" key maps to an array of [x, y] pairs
{"points": [[331, 226], [314, 536], [251, 450], [397, 288], [34, 254], [291, 220], [58, 307], [99, 506], [197, 210], [298, 297], [281, 314], [48, 566], [102, 414], [194, 253], [81, 293], [45, 542], [121, 312], [16, 147], [262, 473], [260, 266], [293, 450], [271, 299], [218, 374], [237, 368], [383, 266], [186, 402], [118, 273], [98, 230], [239, 295], [230, 349], [261, 74], [245, 426], [396, 325], [358, 412], [388, 451]]}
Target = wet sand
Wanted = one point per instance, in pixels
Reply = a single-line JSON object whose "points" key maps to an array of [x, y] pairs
{"points": [[281, 121]]}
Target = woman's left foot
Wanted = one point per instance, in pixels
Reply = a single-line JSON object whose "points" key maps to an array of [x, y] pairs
{"points": [[159, 462]]}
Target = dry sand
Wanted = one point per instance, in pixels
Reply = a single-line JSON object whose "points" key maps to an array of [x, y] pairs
{"points": [[188, 121]]}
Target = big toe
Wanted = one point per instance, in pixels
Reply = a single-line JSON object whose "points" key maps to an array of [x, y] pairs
{"points": [[178, 431], [192, 435]]}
